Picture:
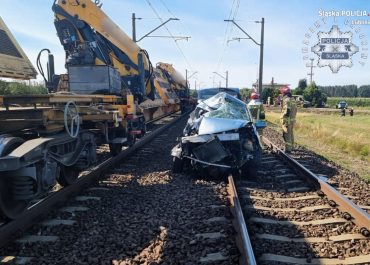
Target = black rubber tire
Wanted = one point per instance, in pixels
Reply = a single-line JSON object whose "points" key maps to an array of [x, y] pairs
{"points": [[178, 165], [9, 144], [249, 170], [257, 157]]}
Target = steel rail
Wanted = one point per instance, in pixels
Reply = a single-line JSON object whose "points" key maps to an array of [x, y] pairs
{"points": [[356, 214], [247, 254], [15, 228], [161, 117]]}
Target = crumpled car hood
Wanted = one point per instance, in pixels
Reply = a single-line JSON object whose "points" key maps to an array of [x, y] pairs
{"points": [[219, 113], [216, 125]]}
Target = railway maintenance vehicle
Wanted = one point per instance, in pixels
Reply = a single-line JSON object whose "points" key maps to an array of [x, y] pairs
{"points": [[110, 91]]}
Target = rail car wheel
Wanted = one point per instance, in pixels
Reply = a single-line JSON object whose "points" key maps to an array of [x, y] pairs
{"points": [[67, 176], [11, 204], [115, 149], [132, 140], [143, 132], [15, 195]]}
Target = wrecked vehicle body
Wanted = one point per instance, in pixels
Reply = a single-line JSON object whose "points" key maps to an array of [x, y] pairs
{"points": [[219, 138]]}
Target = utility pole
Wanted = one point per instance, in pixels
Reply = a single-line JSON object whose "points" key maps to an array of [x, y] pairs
{"points": [[134, 27], [261, 44], [186, 77], [190, 76], [261, 56], [226, 78], [311, 71]]}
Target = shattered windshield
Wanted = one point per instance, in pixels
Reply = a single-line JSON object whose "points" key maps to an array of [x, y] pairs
{"points": [[206, 93], [226, 106]]}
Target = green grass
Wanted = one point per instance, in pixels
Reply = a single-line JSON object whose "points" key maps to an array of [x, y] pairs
{"points": [[352, 102], [344, 140]]}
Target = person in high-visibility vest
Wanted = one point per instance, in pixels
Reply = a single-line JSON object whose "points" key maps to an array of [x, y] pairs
{"points": [[287, 118], [257, 111]]}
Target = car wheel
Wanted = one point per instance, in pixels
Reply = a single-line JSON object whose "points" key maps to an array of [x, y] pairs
{"points": [[178, 165], [249, 170]]}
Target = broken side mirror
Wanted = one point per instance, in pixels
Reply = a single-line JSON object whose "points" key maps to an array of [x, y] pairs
{"points": [[260, 124]]}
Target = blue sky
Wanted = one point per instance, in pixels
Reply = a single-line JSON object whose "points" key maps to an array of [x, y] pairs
{"points": [[208, 49]]}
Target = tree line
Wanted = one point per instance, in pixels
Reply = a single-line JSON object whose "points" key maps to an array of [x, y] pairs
{"points": [[17, 88], [311, 93], [346, 91]]}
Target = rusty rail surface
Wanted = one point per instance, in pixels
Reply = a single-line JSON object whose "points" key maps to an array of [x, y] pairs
{"points": [[15, 228], [245, 246], [351, 210]]}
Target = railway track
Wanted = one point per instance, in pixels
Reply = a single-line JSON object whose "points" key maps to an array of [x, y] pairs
{"points": [[293, 217], [140, 213], [103, 155], [105, 160], [348, 183]]}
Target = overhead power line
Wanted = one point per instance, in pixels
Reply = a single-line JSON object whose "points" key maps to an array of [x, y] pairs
{"points": [[228, 31], [182, 27], [169, 32], [225, 38], [165, 6]]}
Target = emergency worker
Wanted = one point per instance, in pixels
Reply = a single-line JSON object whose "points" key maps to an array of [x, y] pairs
{"points": [[257, 111], [351, 112], [287, 118]]}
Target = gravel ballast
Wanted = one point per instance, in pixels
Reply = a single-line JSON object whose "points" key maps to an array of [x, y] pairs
{"points": [[144, 214]]}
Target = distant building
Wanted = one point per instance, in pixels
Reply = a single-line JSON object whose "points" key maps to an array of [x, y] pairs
{"points": [[271, 84]]}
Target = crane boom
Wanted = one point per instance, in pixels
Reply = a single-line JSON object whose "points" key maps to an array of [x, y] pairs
{"points": [[91, 38]]}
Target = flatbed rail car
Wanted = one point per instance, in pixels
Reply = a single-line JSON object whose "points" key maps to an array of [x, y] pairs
{"points": [[108, 93], [46, 139]]}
